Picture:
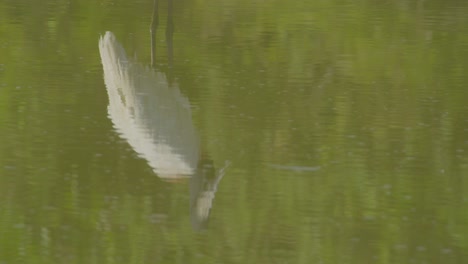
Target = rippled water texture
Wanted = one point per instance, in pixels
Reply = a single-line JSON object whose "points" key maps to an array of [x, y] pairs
{"points": [[233, 131]]}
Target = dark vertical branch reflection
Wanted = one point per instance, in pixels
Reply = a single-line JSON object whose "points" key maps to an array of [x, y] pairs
{"points": [[169, 32], [153, 30]]}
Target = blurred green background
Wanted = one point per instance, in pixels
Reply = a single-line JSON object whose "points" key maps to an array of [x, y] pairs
{"points": [[346, 124]]}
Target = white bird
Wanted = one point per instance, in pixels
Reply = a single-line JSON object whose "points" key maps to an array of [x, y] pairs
{"points": [[152, 115], [155, 119]]}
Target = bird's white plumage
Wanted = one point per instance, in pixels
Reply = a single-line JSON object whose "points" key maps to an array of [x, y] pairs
{"points": [[153, 116]]}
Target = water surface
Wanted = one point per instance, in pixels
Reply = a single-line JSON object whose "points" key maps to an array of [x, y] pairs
{"points": [[233, 131]]}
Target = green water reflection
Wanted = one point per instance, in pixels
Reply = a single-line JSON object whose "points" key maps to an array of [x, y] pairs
{"points": [[344, 124]]}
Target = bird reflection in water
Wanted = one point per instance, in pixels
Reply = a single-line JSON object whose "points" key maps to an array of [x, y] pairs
{"points": [[154, 117]]}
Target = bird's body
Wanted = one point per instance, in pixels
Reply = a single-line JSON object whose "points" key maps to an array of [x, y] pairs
{"points": [[153, 116]]}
